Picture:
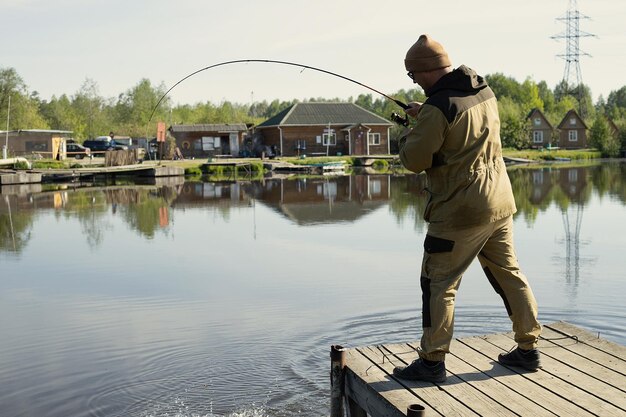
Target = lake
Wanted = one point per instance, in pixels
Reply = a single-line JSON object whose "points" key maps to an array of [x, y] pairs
{"points": [[223, 298]]}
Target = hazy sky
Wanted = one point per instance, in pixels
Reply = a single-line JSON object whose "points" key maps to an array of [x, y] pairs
{"points": [[55, 45]]}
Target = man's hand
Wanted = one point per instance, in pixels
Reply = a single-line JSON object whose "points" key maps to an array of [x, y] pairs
{"points": [[414, 108]]}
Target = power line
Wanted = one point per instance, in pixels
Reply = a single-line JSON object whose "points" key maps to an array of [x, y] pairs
{"points": [[572, 76]]}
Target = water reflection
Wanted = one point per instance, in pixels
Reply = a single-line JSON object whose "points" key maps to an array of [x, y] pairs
{"points": [[148, 209]]}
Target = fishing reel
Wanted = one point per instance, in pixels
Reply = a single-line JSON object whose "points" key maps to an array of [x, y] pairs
{"points": [[402, 121]]}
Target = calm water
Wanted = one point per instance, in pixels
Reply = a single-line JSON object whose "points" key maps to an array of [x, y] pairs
{"points": [[223, 298]]}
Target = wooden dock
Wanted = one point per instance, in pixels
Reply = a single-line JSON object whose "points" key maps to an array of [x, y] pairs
{"points": [[138, 170], [581, 375]]}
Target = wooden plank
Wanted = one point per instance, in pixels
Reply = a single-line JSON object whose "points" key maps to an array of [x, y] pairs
{"points": [[372, 389], [463, 367], [595, 362], [464, 394], [590, 339], [578, 378], [545, 381], [512, 382], [429, 393], [568, 382]]}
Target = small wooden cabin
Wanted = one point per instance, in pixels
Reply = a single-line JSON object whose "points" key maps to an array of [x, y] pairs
{"points": [[540, 129], [573, 131], [43, 142], [204, 140]]}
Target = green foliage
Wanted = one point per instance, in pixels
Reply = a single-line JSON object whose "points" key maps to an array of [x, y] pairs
{"points": [[88, 114], [21, 165], [513, 125], [48, 164], [24, 106], [193, 172], [380, 165], [601, 138]]}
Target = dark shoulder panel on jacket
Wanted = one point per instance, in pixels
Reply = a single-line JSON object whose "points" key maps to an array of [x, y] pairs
{"points": [[453, 102]]}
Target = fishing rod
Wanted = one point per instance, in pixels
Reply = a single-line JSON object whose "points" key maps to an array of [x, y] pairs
{"points": [[394, 116]]}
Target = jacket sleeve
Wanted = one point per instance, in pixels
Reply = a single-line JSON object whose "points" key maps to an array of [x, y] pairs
{"points": [[424, 140]]}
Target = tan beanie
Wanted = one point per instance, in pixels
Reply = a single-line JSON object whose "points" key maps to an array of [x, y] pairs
{"points": [[426, 55]]}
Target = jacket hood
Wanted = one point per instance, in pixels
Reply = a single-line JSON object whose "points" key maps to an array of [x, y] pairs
{"points": [[462, 79]]}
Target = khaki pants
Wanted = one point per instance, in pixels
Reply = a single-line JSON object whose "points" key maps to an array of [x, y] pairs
{"points": [[447, 254]]}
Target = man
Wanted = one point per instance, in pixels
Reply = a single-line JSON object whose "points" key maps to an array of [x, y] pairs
{"points": [[456, 140]]}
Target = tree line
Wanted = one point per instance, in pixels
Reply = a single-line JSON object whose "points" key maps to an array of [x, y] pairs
{"points": [[88, 114]]}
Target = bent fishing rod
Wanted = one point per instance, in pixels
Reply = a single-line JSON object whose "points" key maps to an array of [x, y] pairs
{"points": [[394, 116]]}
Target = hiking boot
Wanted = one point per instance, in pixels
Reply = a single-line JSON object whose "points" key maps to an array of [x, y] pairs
{"points": [[527, 359], [420, 370]]}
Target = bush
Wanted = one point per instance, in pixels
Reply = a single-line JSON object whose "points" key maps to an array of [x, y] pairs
{"points": [[380, 164], [21, 165], [193, 172]]}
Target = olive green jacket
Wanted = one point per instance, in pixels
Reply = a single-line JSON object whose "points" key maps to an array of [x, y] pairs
{"points": [[456, 140]]}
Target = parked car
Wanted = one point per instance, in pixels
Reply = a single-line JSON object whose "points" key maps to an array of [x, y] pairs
{"points": [[77, 150], [104, 145]]}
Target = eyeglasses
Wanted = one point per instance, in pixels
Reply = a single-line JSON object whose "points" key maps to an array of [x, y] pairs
{"points": [[411, 75]]}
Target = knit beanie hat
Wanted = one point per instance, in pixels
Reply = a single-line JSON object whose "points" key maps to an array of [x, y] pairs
{"points": [[426, 55]]}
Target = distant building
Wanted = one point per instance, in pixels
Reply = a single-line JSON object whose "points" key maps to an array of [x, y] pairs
{"points": [[203, 140], [46, 143], [540, 129], [573, 131], [325, 129]]}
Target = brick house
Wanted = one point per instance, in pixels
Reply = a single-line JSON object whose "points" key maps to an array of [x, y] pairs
{"points": [[204, 140], [325, 129], [573, 131], [540, 129]]}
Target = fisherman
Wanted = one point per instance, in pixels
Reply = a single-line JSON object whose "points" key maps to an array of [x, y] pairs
{"points": [[455, 139]]}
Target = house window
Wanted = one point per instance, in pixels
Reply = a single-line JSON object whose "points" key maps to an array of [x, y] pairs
{"points": [[329, 138], [301, 144], [572, 121], [572, 175], [573, 135], [373, 138], [538, 136], [209, 143], [537, 121]]}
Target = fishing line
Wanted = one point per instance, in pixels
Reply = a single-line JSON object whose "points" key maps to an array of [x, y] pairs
{"points": [[395, 117]]}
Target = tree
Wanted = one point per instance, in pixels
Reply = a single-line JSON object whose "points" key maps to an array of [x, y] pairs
{"points": [[133, 109], [24, 108], [89, 108], [616, 104], [513, 126], [602, 138]]}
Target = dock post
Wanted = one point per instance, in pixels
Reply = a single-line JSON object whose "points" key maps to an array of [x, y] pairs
{"points": [[415, 410], [337, 363]]}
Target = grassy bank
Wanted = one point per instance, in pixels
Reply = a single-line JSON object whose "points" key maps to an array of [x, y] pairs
{"points": [[193, 167]]}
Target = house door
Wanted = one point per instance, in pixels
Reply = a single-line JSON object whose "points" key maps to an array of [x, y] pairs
{"points": [[234, 144], [359, 143]]}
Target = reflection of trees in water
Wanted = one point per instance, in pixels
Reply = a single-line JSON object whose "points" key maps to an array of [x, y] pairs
{"points": [[408, 199], [15, 226], [90, 208], [146, 209]]}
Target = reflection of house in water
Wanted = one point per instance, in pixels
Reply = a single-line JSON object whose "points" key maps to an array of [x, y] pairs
{"points": [[309, 201], [225, 194], [541, 185]]}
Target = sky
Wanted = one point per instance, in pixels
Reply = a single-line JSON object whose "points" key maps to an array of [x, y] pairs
{"points": [[57, 45]]}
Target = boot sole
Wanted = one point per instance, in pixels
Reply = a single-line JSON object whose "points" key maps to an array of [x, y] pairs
{"points": [[529, 366]]}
